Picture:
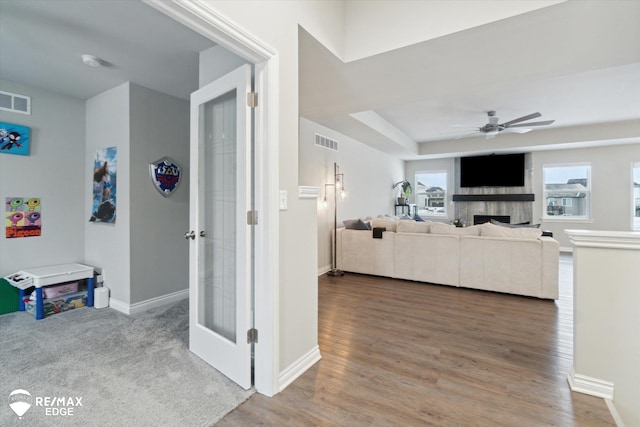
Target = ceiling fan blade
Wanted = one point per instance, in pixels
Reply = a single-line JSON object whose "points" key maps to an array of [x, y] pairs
{"points": [[459, 132], [543, 123], [516, 129], [522, 119], [469, 135]]}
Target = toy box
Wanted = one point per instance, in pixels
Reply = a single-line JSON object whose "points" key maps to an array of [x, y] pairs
{"points": [[60, 304]]}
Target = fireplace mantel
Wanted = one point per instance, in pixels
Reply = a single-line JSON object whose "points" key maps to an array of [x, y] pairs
{"points": [[523, 197]]}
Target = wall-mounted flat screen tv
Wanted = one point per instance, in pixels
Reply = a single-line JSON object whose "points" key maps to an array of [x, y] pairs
{"points": [[495, 170]]}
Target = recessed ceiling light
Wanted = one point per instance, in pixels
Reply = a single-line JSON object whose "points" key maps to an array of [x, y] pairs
{"points": [[92, 61]]}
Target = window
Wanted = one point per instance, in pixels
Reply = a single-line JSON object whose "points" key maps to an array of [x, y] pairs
{"points": [[636, 196], [567, 191], [431, 193]]}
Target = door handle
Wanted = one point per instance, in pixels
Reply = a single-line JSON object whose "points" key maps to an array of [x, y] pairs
{"points": [[190, 235], [202, 233]]}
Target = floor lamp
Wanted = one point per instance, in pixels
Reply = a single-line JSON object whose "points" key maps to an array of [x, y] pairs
{"points": [[338, 185]]}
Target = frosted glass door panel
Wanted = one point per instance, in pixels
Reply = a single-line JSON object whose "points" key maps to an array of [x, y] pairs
{"points": [[220, 249], [218, 279]]}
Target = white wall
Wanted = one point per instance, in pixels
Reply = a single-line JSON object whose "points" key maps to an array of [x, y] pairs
{"points": [[53, 172], [215, 62], [606, 318], [159, 126], [611, 190], [144, 254], [108, 245], [369, 175]]}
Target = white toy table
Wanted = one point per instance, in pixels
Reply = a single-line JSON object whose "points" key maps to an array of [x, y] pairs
{"points": [[47, 276]]}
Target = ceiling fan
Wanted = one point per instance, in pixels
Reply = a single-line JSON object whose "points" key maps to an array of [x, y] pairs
{"points": [[492, 128]]}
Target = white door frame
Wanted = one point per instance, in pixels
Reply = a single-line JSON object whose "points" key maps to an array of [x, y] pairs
{"points": [[202, 18]]}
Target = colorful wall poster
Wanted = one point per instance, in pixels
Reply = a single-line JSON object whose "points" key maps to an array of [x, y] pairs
{"points": [[14, 139], [23, 217], [105, 168]]}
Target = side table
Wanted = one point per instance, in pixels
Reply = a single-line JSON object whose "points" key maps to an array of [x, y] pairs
{"points": [[407, 208]]}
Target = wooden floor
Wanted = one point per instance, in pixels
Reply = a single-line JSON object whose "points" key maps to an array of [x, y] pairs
{"points": [[398, 353]]}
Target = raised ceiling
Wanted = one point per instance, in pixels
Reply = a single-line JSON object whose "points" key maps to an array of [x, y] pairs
{"points": [[41, 43], [576, 62]]}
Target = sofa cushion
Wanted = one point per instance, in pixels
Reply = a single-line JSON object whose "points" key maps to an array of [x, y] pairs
{"points": [[442, 228], [492, 230], [356, 224], [521, 225], [413, 227], [389, 224]]}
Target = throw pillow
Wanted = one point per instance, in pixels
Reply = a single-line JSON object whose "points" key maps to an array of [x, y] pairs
{"points": [[418, 218], [356, 224], [413, 227], [492, 230], [442, 228]]}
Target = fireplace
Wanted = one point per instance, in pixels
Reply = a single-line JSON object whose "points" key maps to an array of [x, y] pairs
{"points": [[481, 219]]}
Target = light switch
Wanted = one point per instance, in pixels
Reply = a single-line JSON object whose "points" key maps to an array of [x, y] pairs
{"points": [[283, 200]]}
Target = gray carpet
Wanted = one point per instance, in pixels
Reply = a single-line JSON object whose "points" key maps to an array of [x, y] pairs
{"points": [[129, 370]]}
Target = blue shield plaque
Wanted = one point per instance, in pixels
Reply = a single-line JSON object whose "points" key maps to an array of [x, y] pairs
{"points": [[166, 175]]}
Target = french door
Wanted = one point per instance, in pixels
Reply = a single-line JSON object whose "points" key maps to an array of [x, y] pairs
{"points": [[221, 253]]}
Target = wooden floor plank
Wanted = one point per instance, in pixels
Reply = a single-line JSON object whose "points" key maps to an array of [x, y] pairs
{"points": [[400, 353]]}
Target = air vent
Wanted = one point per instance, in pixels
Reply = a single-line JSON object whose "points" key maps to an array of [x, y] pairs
{"points": [[323, 141], [15, 103]]}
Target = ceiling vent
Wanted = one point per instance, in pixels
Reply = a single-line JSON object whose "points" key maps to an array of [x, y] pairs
{"points": [[323, 141], [15, 103]]}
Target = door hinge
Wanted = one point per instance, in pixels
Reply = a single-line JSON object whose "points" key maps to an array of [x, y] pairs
{"points": [[252, 99], [252, 336], [252, 217]]}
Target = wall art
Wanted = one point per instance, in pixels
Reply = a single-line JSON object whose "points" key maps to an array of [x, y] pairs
{"points": [[14, 139], [165, 174], [23, 217], [105, 165]]}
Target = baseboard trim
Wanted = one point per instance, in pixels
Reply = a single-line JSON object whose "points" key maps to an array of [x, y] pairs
{"points": [[323, 270], [589, 385], [614, 413], [141, 306], [119, 306], [298, 367]]}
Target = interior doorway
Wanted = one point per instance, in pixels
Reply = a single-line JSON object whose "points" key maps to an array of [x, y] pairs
{"points": [[214, 26]]}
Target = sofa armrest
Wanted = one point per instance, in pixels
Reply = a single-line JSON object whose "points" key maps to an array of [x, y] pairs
{"points": [[358, 252], [550, 267]]}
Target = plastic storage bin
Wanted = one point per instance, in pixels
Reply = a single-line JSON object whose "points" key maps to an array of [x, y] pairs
{"points": [[101, 297]]}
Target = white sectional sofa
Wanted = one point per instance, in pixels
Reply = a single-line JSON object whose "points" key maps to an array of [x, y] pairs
{"points": [[489, 257]]}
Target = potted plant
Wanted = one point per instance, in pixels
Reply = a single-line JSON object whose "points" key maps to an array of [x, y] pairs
{"points": [[405, 191]]}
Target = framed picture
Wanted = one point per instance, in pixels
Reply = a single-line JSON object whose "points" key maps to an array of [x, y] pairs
{"points": [[23, 217], [14, 139], [105, 165]]}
